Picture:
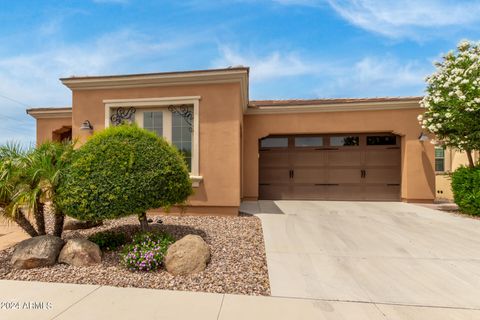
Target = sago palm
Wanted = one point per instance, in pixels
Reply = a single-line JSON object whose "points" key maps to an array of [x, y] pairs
{"points": [[46, 165], [12, 185]]}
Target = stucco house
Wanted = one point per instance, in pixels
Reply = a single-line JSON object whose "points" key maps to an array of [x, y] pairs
{"points": [[238, 149]]}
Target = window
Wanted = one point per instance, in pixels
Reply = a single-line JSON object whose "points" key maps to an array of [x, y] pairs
{"points": [[174, 118], [381, 140], [182, 137], [344, 141], [173, 125], [439, 159], [153, 121], [308, 141], [274, 143]]}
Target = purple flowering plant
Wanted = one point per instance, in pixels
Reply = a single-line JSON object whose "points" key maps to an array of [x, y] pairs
{"points": [[146, 251]]}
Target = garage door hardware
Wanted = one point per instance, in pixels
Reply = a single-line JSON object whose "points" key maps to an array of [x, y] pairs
{"points": [[393, 184], [363, 173], [326, 184], [291, 173], [326, 148]]}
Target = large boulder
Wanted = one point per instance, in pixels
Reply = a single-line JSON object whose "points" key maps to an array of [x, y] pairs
{"points": [[74, 224], [37, 252], [80, 253], [188, 255]]}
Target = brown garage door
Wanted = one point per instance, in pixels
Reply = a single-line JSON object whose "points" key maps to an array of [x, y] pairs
{"points": [[330, 167]]}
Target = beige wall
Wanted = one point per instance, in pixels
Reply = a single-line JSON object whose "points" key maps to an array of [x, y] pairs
{"points": [[220, 147], [418, 177], [46, 126], [453, 160]]}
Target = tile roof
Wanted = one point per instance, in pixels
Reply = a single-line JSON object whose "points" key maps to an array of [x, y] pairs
{"points": [[306, 102]]}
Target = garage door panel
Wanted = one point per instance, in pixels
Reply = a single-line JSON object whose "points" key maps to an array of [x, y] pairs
{"points": [[382, 157], [274, 175], [274, 191], [345, 157], [269, 159], [344, 175], [311, 175], [309, 158]]}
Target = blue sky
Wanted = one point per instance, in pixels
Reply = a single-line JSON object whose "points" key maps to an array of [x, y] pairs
{"points": [[295, 48]]}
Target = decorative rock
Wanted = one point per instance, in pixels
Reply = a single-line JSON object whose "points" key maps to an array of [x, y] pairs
{"points": [[80, 253], [74, 224], [37, 252], [188, 255]]}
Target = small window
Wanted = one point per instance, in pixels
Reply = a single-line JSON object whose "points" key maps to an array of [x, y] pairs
{"points": [[344, 141], [153, 121], [274, 143], [439, 159], [182, 137], [381, 140], [308, 141]]}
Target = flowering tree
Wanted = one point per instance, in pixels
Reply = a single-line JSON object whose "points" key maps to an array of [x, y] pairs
{"points": [[452, 100]]}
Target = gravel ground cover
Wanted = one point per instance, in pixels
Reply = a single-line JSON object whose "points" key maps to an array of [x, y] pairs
{"points": [[238, 264]]}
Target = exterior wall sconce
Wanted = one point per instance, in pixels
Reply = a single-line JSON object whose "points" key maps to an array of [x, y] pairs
{"points": [[86, 125], [423, 137]]}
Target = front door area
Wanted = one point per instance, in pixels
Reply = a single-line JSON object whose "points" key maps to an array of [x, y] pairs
{"points": [[364, 166]]}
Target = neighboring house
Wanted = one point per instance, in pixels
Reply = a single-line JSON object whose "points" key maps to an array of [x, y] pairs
{"points": [[328, 149], [447, 161]]}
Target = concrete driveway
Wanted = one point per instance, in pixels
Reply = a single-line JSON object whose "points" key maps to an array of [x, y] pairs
{"points": [[391, 254]]}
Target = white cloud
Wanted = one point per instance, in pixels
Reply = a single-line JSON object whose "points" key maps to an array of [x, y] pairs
{"points": [[363, 77], [377, 76], [271, 66], [403, 18]]}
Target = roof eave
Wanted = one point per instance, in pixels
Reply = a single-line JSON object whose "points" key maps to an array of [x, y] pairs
{"points": [[335, 107], [46, 113], [231, 75]]}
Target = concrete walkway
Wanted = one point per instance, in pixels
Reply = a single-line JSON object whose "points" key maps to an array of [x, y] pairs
{"points": [[380, 253], [38, 301]]}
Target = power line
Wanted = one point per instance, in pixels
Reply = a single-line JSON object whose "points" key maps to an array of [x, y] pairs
{"points": [[14, 100], [13, 119]]}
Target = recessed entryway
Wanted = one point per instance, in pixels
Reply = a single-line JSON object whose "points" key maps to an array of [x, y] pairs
{"points": [[359, 166]]}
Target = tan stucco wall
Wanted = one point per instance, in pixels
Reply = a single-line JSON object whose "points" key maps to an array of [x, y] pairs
{"points": [[220, 147], [418, 177], [443, 187], [46, 126], [453, 160]]}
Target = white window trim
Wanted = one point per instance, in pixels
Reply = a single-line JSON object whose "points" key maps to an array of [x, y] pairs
{"points": [[150, 103]]}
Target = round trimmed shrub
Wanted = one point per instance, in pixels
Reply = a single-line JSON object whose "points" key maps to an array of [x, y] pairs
{"points": [[466, 189], [121, 171]]}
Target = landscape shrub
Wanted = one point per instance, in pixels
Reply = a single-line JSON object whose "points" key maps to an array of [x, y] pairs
{"points": [[108, 240], [466, 189], [123, 170], [29, 179], [146, 252]]}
